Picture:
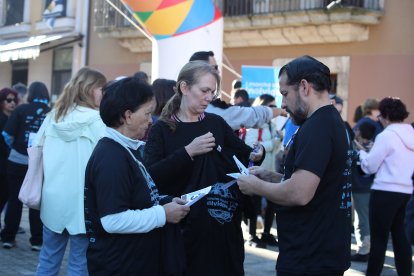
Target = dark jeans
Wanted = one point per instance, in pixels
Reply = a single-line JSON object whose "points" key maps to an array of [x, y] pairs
{"points": [[15, 175], [386, 214], [256, 203], [269, 215], [3, 191]]}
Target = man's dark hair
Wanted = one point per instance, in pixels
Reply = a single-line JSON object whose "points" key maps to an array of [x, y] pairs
{"points": [[202, 55], [241, 93], [310, 69], [367, 130], [142, 76], [237, 84], [393, 109], [122, 95]]}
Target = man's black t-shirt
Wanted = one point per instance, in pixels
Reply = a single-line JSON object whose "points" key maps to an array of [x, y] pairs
{"points": [[316, 238], [25, 119]]}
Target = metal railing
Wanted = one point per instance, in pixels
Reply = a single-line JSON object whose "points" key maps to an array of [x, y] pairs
{"points": [[106, 18], [251, 7]]}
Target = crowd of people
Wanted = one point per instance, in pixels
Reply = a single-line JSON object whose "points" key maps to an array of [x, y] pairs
{"points": [[119, 155]]}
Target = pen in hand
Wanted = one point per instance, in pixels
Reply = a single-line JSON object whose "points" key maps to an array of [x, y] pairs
{"points": [[255, 150]]}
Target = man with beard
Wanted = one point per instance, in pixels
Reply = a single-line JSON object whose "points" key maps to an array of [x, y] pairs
{"points": [[314, 194]]}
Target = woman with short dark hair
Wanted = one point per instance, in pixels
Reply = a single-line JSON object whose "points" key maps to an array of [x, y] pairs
{"points": [[21, 127], [392, 160], [126, 218]]}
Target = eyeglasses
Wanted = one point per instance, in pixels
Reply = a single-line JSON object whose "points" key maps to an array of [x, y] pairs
{"points": [[9, 100]]}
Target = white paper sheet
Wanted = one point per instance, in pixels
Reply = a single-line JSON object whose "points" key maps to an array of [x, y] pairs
{"points": [[195, 196]]}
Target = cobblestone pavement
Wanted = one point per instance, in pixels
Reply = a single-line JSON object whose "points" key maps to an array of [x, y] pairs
{"points": [[22, 261]]}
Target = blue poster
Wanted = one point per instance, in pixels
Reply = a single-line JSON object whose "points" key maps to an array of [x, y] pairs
{"points": [[258, 80]]}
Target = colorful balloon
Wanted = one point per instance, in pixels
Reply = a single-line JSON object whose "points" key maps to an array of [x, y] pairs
{"points": [[180, 28], [182, 15]]}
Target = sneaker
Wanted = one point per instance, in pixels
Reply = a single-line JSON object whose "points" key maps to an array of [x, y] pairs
{"points": [[255, 242], [36, 248], [269, 239], [362, 258], [8, 245], [21, 230]]}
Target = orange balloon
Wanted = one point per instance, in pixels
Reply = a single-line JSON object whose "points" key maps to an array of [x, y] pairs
{"points": [[143, 5]]}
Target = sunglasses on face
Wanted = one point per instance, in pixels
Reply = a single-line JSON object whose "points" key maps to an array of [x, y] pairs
{"points": [[9, 100]]}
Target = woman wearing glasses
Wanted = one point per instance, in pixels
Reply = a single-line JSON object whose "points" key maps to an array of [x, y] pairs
{"points": [[23, 123], [8, 102]]}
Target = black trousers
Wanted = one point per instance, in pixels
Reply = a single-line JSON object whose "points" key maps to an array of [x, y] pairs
{"points": [[4, 191], [386, 214], [15, 176], [269, 216], [257, 204]]}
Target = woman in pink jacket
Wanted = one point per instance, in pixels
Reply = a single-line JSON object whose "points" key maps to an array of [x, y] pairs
{"points": [[392, 160]]}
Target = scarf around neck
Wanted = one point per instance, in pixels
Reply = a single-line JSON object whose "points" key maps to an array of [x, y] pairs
{"points": [[122, 139]]}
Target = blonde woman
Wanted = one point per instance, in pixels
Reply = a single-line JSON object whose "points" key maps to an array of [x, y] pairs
{"points": [[72, 129], [189, 149]]}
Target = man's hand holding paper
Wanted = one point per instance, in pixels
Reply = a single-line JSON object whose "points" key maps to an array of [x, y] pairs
{"points": [[265, 174], [250, 184]]}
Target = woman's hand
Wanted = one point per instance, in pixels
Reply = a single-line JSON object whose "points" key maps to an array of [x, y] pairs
{"points": [[179, 201], [201, 144], [257, 153], [174, 212]]}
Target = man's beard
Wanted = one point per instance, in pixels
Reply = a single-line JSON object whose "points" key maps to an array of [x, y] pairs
{"points": [[300, 114]]}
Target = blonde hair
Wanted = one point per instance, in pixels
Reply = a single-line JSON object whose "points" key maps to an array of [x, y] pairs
{"points": [[369, 105], [190, 74], [79, 91]]}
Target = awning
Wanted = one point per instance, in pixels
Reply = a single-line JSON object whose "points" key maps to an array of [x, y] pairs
{"points": [[30, 47]]}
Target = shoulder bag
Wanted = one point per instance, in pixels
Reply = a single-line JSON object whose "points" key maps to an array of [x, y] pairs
{"points": [[31, 191]]}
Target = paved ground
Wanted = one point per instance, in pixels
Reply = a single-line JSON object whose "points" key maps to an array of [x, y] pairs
{"points": [[22, 261]]}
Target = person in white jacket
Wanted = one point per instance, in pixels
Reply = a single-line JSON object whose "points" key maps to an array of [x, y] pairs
{"points": [[72, 129], [392, 160], [270, 139]]}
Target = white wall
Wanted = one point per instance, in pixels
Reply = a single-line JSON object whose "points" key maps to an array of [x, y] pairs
{"points": [[40, 69], [5, 76]]}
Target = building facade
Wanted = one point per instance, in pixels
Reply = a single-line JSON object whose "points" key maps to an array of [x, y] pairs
{"points": [[367, 44], [42, 40]]}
